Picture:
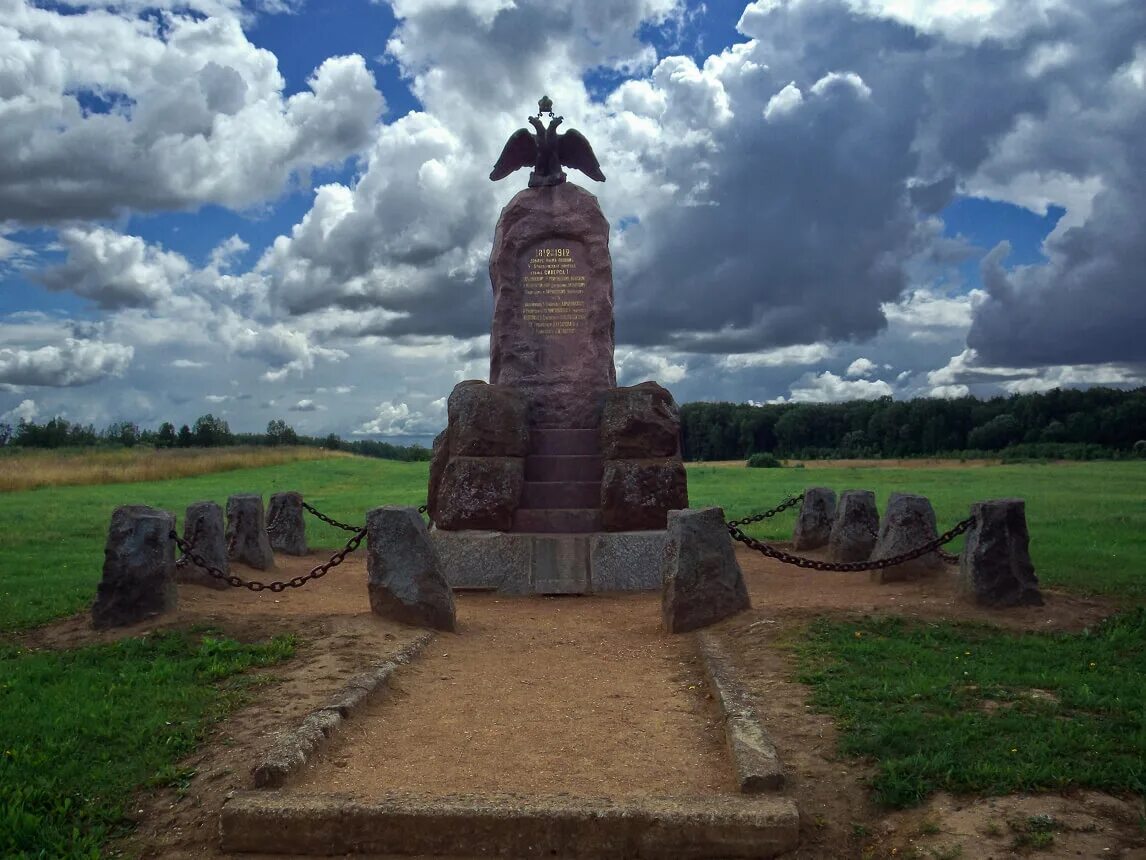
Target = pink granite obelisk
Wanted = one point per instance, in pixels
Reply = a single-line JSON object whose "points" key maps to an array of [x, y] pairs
{"points": [[552, 332]]}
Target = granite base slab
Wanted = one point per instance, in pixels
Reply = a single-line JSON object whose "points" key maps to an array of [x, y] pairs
{"points": [[524, 563]]}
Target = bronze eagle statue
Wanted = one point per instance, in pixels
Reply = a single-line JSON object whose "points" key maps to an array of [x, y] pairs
{"points": [[546, 150]]}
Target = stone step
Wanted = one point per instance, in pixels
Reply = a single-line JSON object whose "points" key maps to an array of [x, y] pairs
{"points": [[573, 827], [557, 520], [561, 494], [564, 442], [564, 467]]}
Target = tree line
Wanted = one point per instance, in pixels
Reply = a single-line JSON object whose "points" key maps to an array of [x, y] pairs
{"points": [[1057, 424], [1060, 424], [208, 431]]}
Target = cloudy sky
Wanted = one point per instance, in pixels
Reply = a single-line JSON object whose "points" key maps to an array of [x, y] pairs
{"points": [[281, 209]]}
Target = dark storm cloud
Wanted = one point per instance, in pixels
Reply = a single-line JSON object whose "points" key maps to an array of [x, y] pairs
{"points": [[812, 214]]}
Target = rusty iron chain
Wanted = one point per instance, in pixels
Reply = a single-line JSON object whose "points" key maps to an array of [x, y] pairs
{"points": [[849, 566], [789, 502], [948, 557], [270, 527], [276, 586], [330, 520]]}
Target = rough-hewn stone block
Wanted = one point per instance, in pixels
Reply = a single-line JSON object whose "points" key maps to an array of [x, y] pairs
{"points": [[908, 523], [138, 569], [247, 539], [405, 578], [286, 524], [203, 530], [638, 494], [479, 493], [702, 579], [814, 522], [640, 421], [995, 568], [856, 527]]}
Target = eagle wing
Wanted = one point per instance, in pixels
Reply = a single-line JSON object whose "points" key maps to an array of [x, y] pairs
{"points": [[519, 151], [574, 151]]}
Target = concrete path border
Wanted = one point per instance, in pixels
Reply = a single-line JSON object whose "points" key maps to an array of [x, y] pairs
{"points": [[754, 756], [291, 750], [268, 823]]}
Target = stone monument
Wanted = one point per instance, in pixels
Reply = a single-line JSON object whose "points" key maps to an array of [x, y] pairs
{"points": [[551, 478]]}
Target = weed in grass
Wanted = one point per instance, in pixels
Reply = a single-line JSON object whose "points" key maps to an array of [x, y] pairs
{"points": [[83, 728], [993, 829], [860, 831], [900, 697], [946, 852], [928, 827]]}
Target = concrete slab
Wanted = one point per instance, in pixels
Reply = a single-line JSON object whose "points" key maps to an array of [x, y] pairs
{"points": [[524, 563], [485, 559], [560, 564], [261, 822], [754, 756], [627, 561]]}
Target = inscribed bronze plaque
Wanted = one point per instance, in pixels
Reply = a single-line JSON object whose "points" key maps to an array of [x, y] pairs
{"points": [[553, 285]]}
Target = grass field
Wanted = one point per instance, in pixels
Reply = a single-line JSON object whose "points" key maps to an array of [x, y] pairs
{"points": [[966, 708], [51, 540], [895, 689], [83, 729], [1087, 520]]}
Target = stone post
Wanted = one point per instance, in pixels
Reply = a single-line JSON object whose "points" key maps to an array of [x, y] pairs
{"points": [[247, 540], [702, 579], [908, 522], [287, 528], [814, 522], [856, 527], [203, 530], [995, 568], [138, 568], [405, 578]]}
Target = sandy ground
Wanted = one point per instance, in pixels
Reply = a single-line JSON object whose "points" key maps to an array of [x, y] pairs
{"points": [[539, 696], [585, 695]]}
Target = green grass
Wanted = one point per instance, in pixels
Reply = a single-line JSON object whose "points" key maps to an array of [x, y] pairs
{"points": [[1087, 520], [971, 709], [80, 730], [52, 540]]}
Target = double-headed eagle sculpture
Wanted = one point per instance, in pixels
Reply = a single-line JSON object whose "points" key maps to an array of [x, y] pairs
{"points": [[546, 150]]}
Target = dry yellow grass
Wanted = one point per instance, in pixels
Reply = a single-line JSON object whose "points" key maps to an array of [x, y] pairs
{"points": [[30, 469]]}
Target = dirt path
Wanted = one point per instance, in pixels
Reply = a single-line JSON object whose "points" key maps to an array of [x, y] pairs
{"points": [[538, 696]]}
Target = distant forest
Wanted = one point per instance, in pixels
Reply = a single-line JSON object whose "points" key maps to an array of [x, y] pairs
{"points": [[1098, 423], [1061, 424], [207, 432]]}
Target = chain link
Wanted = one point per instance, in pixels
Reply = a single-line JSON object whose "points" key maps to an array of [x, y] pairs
{"points": [[948, 557], [789, 502], [331, 521], [276, 586], [270, 527], [849, 566]]}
